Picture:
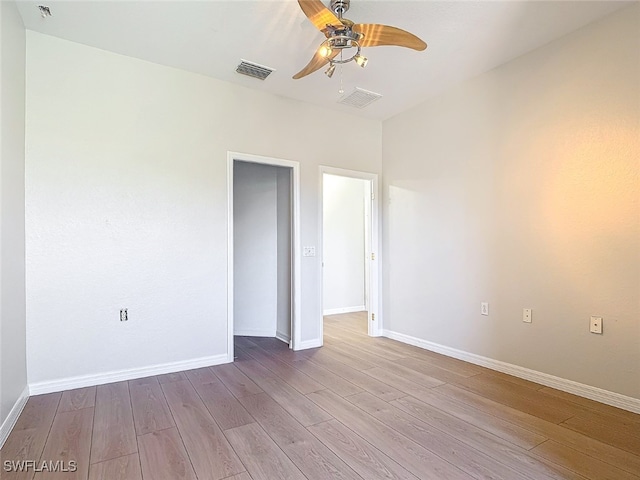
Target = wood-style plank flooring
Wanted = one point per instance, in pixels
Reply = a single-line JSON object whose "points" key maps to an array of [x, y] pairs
{"points": [[358, 408]]}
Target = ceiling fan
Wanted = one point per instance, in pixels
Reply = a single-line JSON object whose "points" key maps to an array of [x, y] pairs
{"points": [[343, 34]]}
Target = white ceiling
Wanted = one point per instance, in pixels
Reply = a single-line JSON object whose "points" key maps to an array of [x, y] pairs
{"points": [[465, 38]]}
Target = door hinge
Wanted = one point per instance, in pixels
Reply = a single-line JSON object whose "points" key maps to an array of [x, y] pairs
{"points": [[373, 256], [373, 317], [373, 196]]}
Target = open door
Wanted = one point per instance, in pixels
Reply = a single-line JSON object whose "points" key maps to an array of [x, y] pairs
{"points": [[263, 257], [349, 246]]}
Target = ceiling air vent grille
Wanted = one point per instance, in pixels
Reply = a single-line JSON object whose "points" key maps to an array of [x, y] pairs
{"points": [[359, 98], [254, 70]]}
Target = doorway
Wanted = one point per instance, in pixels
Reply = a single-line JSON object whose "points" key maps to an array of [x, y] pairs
{"points": [[350, 243], [263, 261]]}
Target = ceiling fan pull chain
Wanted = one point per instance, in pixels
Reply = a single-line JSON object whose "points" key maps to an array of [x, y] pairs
{"points": [[341, 91]]}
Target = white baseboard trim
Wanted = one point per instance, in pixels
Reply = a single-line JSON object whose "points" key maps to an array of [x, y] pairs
{"points": [[12, 418], [336, 311], [594, 393], [283, 337], [315, 343], [117, 376], [254, 333]]}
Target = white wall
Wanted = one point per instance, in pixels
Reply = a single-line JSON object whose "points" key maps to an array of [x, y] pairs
{"points": [[126, 205], [255, 255], [13, 369], [343, 244], [521, 188], [262, 250]]}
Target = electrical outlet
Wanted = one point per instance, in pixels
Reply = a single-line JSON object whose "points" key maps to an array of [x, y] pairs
{"points": [[526, 315], [308, 251], [595, 326], [484, 308], [124, 315]]}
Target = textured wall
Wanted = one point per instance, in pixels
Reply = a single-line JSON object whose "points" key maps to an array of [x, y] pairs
{"points": [[255, 249], [127, 204], [344, 242], [13, 368], [521, 188]]}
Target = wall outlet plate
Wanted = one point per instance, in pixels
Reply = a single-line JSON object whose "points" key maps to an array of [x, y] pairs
{"points": [[595, 325], [484, 308], [526, 315], [124, 315]]}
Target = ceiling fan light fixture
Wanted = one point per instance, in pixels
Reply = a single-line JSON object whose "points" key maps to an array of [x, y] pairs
{"points": [[361, 60], [329, 72], [324, 50], [342, 36]]}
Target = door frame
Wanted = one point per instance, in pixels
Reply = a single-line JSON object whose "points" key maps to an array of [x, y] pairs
{"points": [[296, 253], [374, 321]]}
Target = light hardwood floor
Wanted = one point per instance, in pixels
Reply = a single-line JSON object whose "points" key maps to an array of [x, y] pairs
{"points": [[358, 408]]}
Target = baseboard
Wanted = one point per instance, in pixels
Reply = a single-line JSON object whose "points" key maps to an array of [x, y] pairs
{"points": [[336, 311], [315, 343], [594, 393], [117, 376], [12, 418], [254, 333], [283, 337]]}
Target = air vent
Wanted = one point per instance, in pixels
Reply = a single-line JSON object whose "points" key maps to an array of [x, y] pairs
{"points": [[254, 70], [359, 98]]}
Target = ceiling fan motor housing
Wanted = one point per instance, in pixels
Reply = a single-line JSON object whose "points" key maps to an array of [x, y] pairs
{"points": [[343, 36], [340, 41]]}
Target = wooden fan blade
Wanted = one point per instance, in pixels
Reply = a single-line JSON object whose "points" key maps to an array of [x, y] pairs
{"points": [[316, 63], [319, 15], [375, 35]]}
